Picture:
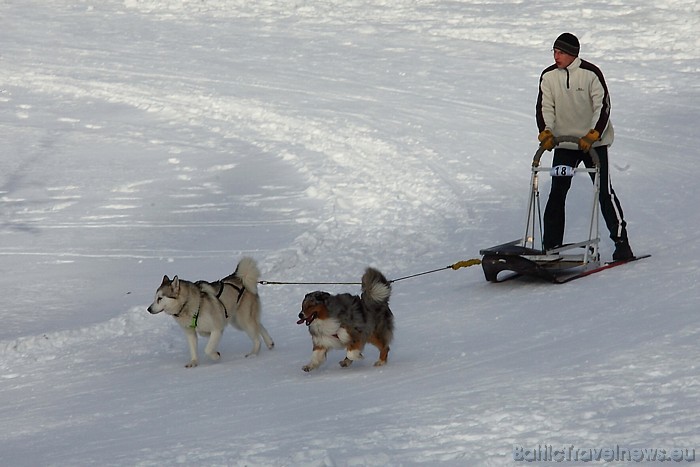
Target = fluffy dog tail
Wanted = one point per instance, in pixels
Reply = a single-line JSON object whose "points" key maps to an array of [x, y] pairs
{"points": [[247, 271], [375, 288]]}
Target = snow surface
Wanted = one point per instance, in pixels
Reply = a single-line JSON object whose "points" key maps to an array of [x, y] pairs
{"points": [[151, 137]]}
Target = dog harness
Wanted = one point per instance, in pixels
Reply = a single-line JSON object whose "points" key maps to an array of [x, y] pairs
{"points": [[222, 285], [193, 325], [240, 291]]}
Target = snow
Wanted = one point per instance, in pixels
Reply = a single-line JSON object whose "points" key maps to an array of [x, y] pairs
{"points": [[151, 137]]}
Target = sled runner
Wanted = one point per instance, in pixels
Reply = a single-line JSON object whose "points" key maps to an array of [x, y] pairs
{"points": [[526, 256]]}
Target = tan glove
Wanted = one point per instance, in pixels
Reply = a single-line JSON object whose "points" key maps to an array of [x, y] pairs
{"points": [[585, 143], [546, 140]]}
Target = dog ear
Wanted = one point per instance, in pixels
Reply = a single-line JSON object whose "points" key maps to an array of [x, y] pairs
{"points": [[175, 285], [321, 297], [314, 298], [166, 281]]}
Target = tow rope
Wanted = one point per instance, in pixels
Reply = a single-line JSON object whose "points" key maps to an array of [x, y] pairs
{"points": [[455, 266]]}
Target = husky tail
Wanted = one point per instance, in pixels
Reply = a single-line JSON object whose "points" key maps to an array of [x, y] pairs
{"points": [[375, 288], [247, 271]]}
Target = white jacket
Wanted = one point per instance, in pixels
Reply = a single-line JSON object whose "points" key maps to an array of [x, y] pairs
{"points": [[574, 100]]}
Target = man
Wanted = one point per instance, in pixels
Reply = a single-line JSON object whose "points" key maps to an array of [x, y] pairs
{"points": [[573, 100]]}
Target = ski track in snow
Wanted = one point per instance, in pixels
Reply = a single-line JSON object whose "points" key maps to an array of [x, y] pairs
{"points": [[161, 136]]}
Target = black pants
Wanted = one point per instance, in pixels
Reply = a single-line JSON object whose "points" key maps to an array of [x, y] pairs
{"points": [[554, 213]]}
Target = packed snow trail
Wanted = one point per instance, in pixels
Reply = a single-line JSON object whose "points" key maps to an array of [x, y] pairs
{"points": [[151, 137]]}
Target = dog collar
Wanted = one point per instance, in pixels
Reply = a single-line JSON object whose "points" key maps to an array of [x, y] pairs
{"points": [[177, 315]]}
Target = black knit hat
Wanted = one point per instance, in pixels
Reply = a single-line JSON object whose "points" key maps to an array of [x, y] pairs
{"points": [[568, 43]]}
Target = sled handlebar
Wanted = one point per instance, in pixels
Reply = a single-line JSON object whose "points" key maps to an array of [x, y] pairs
{"points": [[564, 139]]}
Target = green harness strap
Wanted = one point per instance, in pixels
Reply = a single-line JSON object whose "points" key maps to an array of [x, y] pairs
{"points": [[193, 325]]}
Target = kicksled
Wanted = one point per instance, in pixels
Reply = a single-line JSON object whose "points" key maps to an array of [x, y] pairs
{"points": [[527, 257]]}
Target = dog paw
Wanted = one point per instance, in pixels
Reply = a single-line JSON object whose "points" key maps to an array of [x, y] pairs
{"points": [[380, 363], [354, 355], [307, 368], [345, 363], [192, 364], [215, 356]]}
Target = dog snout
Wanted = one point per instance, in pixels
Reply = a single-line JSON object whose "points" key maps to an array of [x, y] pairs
{"points": [[302, 318]]}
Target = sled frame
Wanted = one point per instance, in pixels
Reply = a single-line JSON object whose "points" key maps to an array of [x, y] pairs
{"points": [[527, 256]]}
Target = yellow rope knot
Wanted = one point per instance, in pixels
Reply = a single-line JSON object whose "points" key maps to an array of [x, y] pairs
{"points": [[466, 263]]}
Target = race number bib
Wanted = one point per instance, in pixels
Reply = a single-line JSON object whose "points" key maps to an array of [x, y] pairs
{"points": [[562, 171]]}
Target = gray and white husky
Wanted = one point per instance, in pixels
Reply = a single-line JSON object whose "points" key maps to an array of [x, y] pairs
{"points": [[205, 308]]}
